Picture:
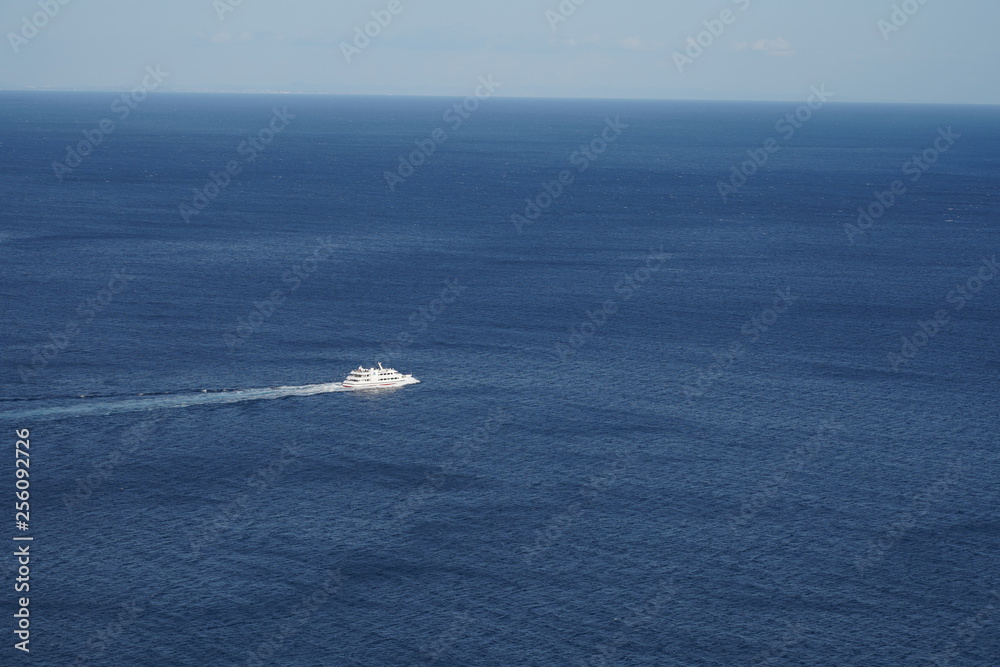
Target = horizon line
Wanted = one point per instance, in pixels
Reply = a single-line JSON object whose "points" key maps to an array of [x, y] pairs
{"points": [[509, 97]]}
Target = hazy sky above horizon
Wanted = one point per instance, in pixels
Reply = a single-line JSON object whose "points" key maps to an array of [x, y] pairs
{"points": [[942, 53]]}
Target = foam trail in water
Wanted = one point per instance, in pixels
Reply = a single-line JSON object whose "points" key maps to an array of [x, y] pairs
{"points": [[85, 406]]}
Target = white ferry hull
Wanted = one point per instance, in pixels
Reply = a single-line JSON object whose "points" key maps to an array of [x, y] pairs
{"points": [[406, 379]]}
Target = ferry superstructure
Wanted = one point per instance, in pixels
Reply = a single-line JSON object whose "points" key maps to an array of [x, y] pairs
{"points": [[372, 378]]}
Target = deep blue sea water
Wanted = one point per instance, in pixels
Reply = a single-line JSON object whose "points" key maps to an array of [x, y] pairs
{"points": [[727, 468]]}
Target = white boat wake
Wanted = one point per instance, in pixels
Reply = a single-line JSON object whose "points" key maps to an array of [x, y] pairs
{"points": [[85, 406]]}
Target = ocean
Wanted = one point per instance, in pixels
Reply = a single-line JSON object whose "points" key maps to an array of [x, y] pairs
{"points": [[700, 383]]}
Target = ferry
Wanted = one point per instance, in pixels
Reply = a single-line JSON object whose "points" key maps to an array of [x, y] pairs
{"points": [[370, 378]]}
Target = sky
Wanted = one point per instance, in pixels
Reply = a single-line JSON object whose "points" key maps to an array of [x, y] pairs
{"points": [[937, 52]]}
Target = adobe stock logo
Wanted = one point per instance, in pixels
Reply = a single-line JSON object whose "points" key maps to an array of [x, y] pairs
{"points": [[217, 183], [30, 27], [122, 107], [697, 45], [626, 289], [566, 9], [455, 116], [901, 15], [363, 36], [223, 7], [925, 331], [786, 126], [582, 160], [915, 168]]}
